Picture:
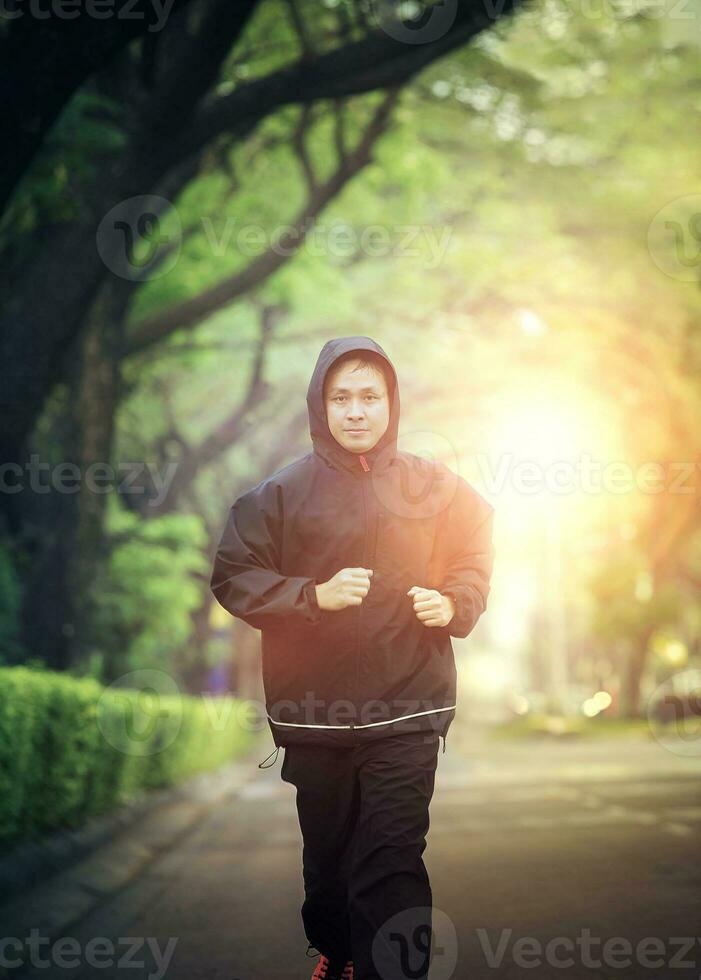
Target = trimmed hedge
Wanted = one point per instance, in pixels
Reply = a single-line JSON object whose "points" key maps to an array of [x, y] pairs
{"points": [[71, 749]]}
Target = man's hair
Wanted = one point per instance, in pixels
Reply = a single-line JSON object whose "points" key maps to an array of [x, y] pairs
{"points": [[366, 359]]}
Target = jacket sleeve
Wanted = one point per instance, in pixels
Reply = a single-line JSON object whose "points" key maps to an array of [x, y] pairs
{"points": [[245, 578], [468, 558]]}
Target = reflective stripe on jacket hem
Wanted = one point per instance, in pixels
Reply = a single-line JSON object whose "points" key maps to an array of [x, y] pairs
{"points": [[372, 724]]}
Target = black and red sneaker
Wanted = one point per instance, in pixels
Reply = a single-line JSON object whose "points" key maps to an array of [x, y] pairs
{"points": [[324, 970]]}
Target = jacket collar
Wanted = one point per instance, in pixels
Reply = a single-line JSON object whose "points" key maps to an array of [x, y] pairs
{"points": [[325, 446]]}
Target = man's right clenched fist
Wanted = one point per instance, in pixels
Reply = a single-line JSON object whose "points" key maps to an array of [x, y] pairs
{"points": [[347, 588]]}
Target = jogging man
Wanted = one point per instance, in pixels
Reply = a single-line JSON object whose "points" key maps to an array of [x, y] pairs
{"points": [[359, 562]]}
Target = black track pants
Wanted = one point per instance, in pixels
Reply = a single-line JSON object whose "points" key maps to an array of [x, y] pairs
{"points": [[363, 813]]}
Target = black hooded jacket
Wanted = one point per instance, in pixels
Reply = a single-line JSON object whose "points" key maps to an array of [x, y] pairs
{"points": [[334, 678]]}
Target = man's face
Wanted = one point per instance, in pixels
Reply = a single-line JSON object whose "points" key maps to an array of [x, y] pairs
{"points": [[357, 406]]}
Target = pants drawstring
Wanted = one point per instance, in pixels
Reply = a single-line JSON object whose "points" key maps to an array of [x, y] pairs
{"points": [[275, 752], [261, 765]]}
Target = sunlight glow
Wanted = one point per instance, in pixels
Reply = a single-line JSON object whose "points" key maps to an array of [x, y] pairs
{"points": [[549, 442], [543, 428]]}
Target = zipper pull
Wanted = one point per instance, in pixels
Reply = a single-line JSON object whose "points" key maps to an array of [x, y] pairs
{"points": [[364, 463]]}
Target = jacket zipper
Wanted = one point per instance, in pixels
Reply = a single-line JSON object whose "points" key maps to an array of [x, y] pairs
{"points": [[366, 469]]}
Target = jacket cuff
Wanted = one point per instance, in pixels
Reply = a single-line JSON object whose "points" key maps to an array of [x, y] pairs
{"points": [[313, 611], [461, 624]]}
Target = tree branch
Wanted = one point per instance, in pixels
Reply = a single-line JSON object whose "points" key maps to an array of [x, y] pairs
{"points": [[228, 432], [192, 311], [300, 147], [377, 61]]}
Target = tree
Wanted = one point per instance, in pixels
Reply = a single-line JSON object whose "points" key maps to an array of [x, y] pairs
{"points": [[166, 119]]}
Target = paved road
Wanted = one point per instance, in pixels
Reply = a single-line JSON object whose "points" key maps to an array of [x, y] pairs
{"points": [[528, 845]]}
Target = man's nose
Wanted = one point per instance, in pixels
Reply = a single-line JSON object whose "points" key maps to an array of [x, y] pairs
{"points": [[356, 410]]}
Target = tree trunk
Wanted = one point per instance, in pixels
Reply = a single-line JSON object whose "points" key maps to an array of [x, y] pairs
{"points": [[634, 671], [194, 667], [59, 598]]}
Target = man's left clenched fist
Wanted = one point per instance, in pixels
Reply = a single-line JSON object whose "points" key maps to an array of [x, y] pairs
{"points": [[431, 607]]}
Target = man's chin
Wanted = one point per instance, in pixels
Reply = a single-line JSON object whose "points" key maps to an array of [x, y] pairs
{"points": [[358, 446]]}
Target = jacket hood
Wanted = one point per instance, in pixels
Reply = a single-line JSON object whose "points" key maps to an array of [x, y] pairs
{"points": [[324, 443]]}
